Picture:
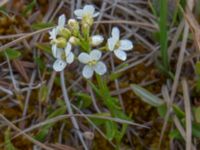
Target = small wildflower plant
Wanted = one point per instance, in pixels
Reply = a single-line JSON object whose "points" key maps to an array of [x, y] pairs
{"points": [[76, 33]]}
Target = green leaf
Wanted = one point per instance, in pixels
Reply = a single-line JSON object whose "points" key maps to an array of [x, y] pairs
{"points": [[98, 121], [8, 143], [38, 26], [175, 134], [29, 8], [196, 130], [164, 34], [120, 134], [44, 47], [197, 114], [12, 53], [43, 93], [197, 68], [114, 76], [162, 110], [4, 11], [180, 114], [84, 100], [40, 63], [45, 129], [111, 129], [146, 96]]}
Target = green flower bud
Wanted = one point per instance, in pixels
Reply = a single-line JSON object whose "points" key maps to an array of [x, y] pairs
{"points": [[88, 20], [74, 41], [60, 42], [64, 32], [74, 26]]}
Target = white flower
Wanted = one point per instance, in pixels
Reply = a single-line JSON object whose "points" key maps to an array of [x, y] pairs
{"points": [[61, 23], [88, 10], [119, 46], [54, 32], [64, 57], [97, 40], [92, 63]]}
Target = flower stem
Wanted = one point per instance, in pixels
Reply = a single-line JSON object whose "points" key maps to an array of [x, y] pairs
{"points": [[69, 109]]}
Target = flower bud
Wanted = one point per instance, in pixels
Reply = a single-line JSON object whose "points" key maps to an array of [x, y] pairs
{"points": [[96, 40], [74, 26], [64, 32], [88, 20], [61, 42], [73, 40]]}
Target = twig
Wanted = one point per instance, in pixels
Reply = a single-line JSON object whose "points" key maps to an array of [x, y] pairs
{"points": [[69, 109]]}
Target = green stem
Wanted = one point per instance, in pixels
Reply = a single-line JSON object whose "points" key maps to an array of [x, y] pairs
{"points": [[163, 33]]}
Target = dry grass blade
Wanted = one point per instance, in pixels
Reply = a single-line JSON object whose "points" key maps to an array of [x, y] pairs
{"points": [[20, 68], [3, 2], [10, 124], [194, 27], [188, 115]]}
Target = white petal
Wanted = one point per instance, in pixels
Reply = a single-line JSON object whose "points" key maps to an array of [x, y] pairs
{"points": [[84, 58], [115, 33], [126, 45], [111, 43], [57, 52], [78, 13], [100, 68], [97, 40], [59, 65], [61, 21], [87, 72], [54, 50], [96, 14], [120, 54], [95, 54], [88, 9], [70, 58], [68, 48], [53, 33]]}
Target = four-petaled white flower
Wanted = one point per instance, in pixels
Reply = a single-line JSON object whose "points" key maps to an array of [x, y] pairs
{"points": [[64, 57], [87, 11], [55, 31], [119, 46], [93, 63], [97, 40]]}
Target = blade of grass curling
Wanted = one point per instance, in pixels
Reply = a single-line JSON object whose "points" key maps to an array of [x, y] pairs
{"points": [[146, 96], [163, 33]]}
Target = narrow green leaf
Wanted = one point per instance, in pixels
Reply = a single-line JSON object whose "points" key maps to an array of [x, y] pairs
{"points": [[175, 134], [40, 63], [29, 8], [180, 114], [162, 110], [111, 130], [8, 143], [84, 100], [196, 130], [98, 121], [38, 26], [146, 96], [45, 129], [12, 53], [43, 93], [44, 47], [197, 68], [163, 33], [197, 114]]}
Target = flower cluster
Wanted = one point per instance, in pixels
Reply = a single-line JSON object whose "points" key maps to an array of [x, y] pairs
{"points": [[77, 33]]}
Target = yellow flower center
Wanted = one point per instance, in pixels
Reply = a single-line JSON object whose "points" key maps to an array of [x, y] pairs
{"points": [[92, 62]]}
